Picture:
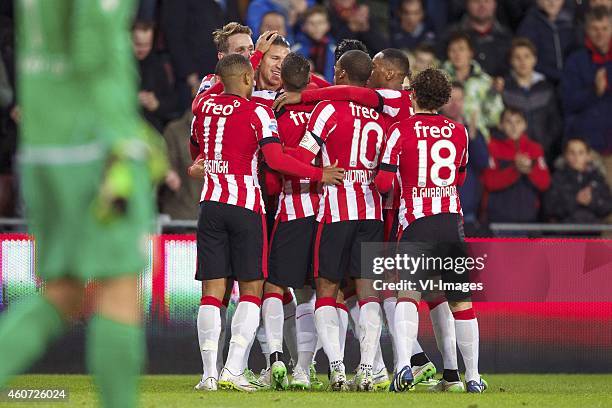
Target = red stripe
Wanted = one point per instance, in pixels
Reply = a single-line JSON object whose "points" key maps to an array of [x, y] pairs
{"points": [[242, 193], [250, 298], [342, 306], [273, 233], [386, 294], [467, 314], [211, 301], [158, 282], [223, 183], [369, 299], [273, 295], [209, 186], [342, 203], [264, 249], [360, 201], [326, 301], [287, 298], [400, 232], [405, 299], [389, 219], [436, 302], [317, 244], [378, 205]]}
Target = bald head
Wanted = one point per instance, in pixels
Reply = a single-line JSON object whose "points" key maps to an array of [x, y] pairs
{"points": [[353, 68]]}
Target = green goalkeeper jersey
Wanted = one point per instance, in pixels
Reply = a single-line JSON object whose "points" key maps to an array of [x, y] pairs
{"points": [[76, 73]]}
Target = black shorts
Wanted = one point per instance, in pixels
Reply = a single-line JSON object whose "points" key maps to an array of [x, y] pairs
{"points": [[232, 241], [290, 260], [337, 248], [437, 240]]}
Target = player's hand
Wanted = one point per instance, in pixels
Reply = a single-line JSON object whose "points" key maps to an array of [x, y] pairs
{"points": [[601, 81], [264, 42], [286, 98], [197, 170], [585, 196], [173, 180], [333, 174]]}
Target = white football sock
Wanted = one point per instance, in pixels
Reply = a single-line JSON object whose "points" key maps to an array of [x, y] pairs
{"points": [[244, 326], [262, 338], [389, 309], [443, 325], [370, 325], [467, 340], [306, 334], [223, 313], [406, 330], [352, 304], [343, 320], [416, 347], [273, 318], [328, 328], [289, 328], [209, 328]]}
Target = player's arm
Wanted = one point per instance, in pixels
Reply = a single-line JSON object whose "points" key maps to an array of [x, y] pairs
{"points": [[194, 146], [389, 161], [318, 81], [462, 170], [362, 96]]}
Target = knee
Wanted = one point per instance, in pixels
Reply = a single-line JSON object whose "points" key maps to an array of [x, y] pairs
{"points": [[66, 295]]}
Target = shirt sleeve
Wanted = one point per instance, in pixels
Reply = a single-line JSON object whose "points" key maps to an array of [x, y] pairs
{"points": [[390, 160], [265, 125], [321, 124], [393, 101]]}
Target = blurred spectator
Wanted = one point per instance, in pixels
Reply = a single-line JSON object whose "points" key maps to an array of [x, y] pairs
{"points": [[510, 13], [273, 21], [185, 28], [471, 190], [586, 87], [6, 90], [483, 104], [423, 57], [517, 172], [156, 95], [315, 43], [9, 116], [551, 30], [491, 41], [179, 197], [290, 9], [352, 20], [529, 91], [413, 28], [579, 192]]}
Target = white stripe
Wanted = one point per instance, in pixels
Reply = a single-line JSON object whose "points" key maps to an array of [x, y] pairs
{"points": [[61, 154], [233, 189], [289, 201], [390, 146], [370, 204], [219, 138], [250, 193], [207, 120], [388, 110], [265, 120], [417, 205], [322, 119], [216, 194], [389, 93], [306, 204], [325, 156], [204, 188], [322, 203], [333, 203], [402, 213], [351, 202], [454, 201], [436, 205], [467, 144]]}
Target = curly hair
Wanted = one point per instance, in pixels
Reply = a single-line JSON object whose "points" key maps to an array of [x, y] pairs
{"points": [[432, 89]]}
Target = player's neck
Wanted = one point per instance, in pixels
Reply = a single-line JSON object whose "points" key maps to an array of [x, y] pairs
{"points": [[418, 111], [236, 92]]}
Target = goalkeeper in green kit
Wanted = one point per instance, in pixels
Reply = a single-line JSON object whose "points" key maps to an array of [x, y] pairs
{"points": [[87, 164]]}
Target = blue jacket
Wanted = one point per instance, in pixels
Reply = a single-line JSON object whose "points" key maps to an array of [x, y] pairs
{"points": [[587, 114], [302, 45], [258, 8], [554, 41], [470, 192]]}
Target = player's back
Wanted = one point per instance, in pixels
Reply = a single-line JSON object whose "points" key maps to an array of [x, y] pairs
{"points": [[227, 129], [77, 55], [353, 135], [433, 156]]}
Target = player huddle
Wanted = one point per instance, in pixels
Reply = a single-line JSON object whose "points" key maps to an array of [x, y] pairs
{"points": [[362, 161]]}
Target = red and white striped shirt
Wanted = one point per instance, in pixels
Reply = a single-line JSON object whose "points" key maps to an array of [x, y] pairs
{"points": [[299, 198], [431, 153], [229, 131], [353, 135]]}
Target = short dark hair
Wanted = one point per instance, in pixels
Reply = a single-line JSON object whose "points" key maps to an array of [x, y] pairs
{"points": [[512, 110], [311, 11], [524, 42], [596, 14], [221, 36], [348, 45], [398, 59], [358, 66], [457, 36], [579, 139], [143, 25], [432, 89], [233, 64], [282, 41], [295, 72]]}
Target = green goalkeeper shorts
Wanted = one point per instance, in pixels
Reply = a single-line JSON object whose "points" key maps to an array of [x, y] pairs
{"points": [[70, 240]]}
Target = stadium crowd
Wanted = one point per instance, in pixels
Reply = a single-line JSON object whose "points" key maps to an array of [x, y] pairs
{"points": [[532, 80]]}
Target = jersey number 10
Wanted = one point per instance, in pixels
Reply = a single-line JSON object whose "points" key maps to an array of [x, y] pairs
{"points": [[359, 144]]}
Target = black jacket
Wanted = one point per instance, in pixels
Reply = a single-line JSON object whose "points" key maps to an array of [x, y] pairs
{"points": [[156, 77], [560, 201]]}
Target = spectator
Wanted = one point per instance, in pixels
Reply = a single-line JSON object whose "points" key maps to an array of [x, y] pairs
{"points": [[413, 29], [551, 30], [290, 9], [315, 43], [156, 95], [529, 91], [471, 190], [579, 192], [586, 87], [273, 21], [352, 20], [179, 197], [517, 172], [423, 57], [6, 90], [491, 41], [483, 104]]}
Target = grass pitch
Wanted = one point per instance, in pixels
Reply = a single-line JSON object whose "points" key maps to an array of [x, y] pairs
{"points": [[514, 390]]}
